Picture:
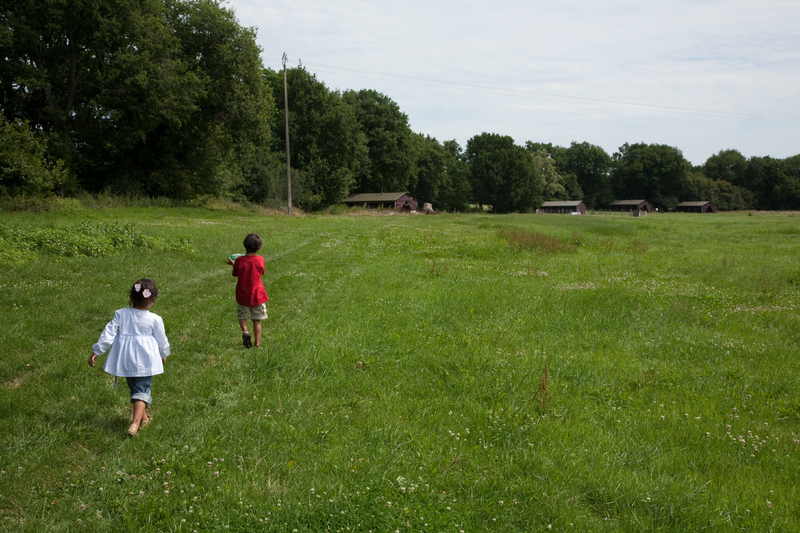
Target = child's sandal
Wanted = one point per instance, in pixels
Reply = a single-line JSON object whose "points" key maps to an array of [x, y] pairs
{"points": [[133, 430]]}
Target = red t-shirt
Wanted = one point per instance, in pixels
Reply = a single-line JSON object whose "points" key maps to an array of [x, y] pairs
{"points": [[250, 291]]}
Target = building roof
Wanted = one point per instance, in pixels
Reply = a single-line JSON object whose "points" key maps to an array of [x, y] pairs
{"points": [[694, 204], [563, 203], [369, 197], [627, 202]]}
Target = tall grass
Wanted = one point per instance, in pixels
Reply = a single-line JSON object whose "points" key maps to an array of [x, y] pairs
{"points": [[419, 374]]}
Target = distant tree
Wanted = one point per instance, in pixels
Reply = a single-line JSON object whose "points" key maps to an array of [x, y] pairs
{"points": [[390, 162], [791, 167], [556, 186], [725, 195], [503, 174], [727, 165], [774, 182], [655, 172], [326, 143], [591, 166], [441, 175]]}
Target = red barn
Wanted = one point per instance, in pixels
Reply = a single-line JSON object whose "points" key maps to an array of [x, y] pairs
{"points": [[697, 207], [564, 207], [630, 205], [399, 201]]}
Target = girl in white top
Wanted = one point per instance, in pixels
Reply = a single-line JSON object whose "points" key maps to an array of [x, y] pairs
{"points": [[139, 348]]}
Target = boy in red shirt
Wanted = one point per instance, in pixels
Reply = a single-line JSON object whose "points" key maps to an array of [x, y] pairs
{"points": [[251, 297]]}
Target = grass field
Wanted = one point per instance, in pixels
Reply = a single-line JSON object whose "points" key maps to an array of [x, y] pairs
{"points": [[443, 373]]}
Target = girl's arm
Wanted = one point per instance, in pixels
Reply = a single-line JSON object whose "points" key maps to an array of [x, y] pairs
{"points": [[106, 337], [92, 359], [161, 338]]}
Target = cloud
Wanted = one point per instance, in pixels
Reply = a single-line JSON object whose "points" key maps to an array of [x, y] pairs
{"points": [[737, 57]]}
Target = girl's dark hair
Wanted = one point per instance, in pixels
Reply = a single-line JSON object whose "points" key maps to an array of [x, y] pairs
{"points": [[137, 296], [252, 243]]}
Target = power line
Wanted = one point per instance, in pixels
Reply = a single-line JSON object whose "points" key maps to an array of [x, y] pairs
{"points": [[486, 89]]}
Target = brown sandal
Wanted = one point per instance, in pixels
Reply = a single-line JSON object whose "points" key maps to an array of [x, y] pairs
{"points": [[133, 430]]}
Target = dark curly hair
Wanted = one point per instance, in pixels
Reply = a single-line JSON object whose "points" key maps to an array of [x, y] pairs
{"points": [[137, 296], [252, 243]]}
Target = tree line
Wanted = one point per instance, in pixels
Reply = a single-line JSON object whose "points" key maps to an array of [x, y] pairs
{"points": [[171, 98]]}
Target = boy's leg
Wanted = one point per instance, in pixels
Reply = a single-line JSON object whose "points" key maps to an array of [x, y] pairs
{"points": [[243, 313], [257, 332], [257, 314], [245, 334]]}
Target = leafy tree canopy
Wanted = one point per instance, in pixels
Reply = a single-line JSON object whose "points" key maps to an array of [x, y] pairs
{"points": [[326, 142], [144, 96], [390, 162], [503, 174], [655, 172]]}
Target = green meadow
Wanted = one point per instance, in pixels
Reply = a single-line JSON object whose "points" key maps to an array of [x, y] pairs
{"points": [[419, 373]]}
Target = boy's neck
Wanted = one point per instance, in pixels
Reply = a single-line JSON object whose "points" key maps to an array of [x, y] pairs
{"points": [[251, 253]]}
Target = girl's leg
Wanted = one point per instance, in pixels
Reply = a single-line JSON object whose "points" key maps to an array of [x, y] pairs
{"points": [[140, 399], [139, 414], [257, 332]]}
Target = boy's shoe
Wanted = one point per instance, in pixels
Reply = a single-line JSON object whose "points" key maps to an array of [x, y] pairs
{"points": [[133, 430], [246, 340]]}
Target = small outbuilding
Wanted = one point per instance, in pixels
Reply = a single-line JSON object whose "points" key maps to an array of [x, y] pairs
{"points": [[564, 207], [696, 207], [399, 201], [630, 206]]}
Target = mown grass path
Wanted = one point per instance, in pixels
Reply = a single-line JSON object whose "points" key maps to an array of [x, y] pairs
{"points": [[419, 374]]}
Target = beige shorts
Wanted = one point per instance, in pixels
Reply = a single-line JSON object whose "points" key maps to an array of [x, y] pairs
{"points": [[258, 312]]}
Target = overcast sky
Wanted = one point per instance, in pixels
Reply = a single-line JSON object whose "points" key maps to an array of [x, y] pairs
{"points": [[701, 75]]}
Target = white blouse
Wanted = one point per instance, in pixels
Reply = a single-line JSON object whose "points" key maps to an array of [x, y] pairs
{"points": [[138, 343]]}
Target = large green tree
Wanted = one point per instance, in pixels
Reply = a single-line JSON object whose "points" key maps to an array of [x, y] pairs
{"points": [[654, 172], [503, 174], [326, 143], [143, 96], [390, 162]]}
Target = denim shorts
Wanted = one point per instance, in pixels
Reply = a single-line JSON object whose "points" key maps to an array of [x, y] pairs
{"points": [[140, 389]]}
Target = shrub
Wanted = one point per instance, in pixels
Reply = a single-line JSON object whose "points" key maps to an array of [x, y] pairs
{"points": [[24, 169]]}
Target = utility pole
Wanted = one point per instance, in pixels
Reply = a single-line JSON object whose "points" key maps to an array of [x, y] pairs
{"points": [[286, 114]]}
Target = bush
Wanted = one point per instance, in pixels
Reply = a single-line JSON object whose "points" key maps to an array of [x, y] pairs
{"points": [[24, 168]]}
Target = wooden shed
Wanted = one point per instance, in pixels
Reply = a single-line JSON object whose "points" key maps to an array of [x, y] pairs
{"points": [[630, 206], [400, 201], [564, 207], [696, 207]]}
